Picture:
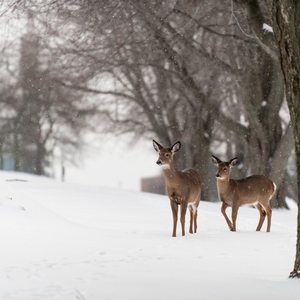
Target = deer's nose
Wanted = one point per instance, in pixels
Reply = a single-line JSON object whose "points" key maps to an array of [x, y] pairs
{"points": [[218, 176], [158, 162]]}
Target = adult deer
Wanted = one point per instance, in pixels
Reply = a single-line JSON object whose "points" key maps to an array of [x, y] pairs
{"points": [[183, 187], [256, 190]]}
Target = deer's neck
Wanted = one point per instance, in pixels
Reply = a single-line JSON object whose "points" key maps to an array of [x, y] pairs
{"points": [[223, 187], [171, 173]]}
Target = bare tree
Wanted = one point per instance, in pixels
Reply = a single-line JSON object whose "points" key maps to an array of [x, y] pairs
{"points": [[176, 71], [38, 113], [286, 24], [152, 87], [283, 46]]}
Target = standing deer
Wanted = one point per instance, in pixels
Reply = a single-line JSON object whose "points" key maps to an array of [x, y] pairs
{"points": [[183, 187], [256, 190]]}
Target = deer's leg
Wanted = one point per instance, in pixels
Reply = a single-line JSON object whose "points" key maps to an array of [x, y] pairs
{"points": [[174, 207], [223, 210], [269, 216], [234, 213], [195, 219], [191, 218], [268, 210], [183, 208], [262, 215]]}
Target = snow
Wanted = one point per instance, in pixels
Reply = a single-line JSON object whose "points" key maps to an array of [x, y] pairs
{"points": [[73, 241], [267, 28]]}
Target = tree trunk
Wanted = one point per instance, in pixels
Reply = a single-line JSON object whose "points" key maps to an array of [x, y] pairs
{"points": [[16, 150], [286, 23], [39, 158], [1, 157]]}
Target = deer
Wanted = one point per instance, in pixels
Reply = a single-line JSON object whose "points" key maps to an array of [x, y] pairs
{"points": [[183, 187], [257, 190]]}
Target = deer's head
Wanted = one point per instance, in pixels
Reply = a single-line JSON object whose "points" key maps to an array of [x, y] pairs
{"points": [[224, 167], [165, 155]]}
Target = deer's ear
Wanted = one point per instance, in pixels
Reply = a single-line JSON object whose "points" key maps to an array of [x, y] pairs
{"points": [[157, 146], [176, 147], [233, 162], [215, 160]]}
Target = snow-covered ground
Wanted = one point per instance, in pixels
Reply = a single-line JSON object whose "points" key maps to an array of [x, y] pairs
{"points": [[67, 241]]}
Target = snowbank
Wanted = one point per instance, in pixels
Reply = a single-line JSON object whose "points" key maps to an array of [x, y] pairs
{"points": [[64, 241]]}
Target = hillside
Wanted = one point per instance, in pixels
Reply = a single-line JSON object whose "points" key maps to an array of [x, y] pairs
{"points": [[66, 241]]}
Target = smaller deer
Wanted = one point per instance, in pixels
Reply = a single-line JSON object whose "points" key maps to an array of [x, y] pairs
{"points": [[256, 190], [183, 187]]}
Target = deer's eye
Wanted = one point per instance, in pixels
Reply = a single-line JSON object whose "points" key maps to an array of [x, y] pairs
{"points": [[167, 155], [224, 169]]}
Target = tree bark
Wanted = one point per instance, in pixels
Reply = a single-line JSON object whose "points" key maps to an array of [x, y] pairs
{"points": [[286, 27]]}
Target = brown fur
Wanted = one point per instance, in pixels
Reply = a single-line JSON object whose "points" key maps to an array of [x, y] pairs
{"points": [[183, 187], [256, 189]]}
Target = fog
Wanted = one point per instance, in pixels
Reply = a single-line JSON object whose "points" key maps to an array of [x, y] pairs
{"points": [[113, 162]]}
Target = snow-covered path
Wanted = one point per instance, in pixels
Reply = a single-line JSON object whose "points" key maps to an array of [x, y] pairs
{"points": [[64, 241]]}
